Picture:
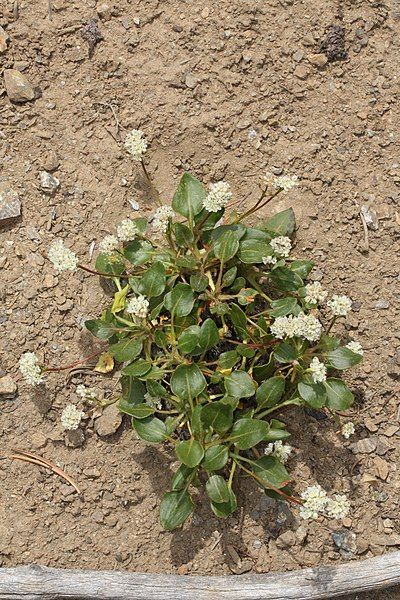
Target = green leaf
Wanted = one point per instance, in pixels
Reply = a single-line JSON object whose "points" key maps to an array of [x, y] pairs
{"points": [[139, 411], [285, 279], [198, 282], [209, 335], [226, 246], [328, 342], [228, 359], [283, 307], [272, 471], [126, 349], [196, 423], [215, 458], [186, 262], [245, 350], [155, 389], [262, 372], [152, 283], [180, 300], [229, 277], [312, 393], [239, 321], [274, 435], [111, 264], [285, 352], [188, 198], [247, 296], [141, 224], [180, 479], [270, 392], [239, 385], [217, 489], [150, 429], [133, 390], [187, 382], [302, 267], [101, 329], [223, 509], [189, 339], [282, 223], [339, 397], [138, 252], [183, 236], [342, 358], [247, 433], [119, 300], [175, 508], [190, 452], [253, 251], [138, 368], [218, 416]]}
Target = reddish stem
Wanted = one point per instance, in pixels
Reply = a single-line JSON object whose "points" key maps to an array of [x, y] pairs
{"points": [[76, 364]]}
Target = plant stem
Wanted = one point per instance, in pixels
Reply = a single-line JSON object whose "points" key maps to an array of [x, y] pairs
{"points": [[76, 364], [331, 324], [274, 408], [93, 272]]}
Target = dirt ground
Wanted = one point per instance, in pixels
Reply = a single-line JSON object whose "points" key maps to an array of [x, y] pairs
{"points": [[228, 90]]}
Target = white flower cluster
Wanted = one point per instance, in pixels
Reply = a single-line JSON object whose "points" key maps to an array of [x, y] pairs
{"points": [[355, 347], [339, 305], [30, 368], [306, 326], [316, 502], [348, 429], [62, 257], [281, 245], [279, 450], [317, 370], [161, 217], [315, 293], [218, 196], [283, 182], [108, 244], [71, 417], [136, 144], [127, 230], [152, 401], [138, 306], [87, 394], [269, 260]]}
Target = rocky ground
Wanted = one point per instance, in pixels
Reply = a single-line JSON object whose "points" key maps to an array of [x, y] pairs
{"points": [[227, 92]]}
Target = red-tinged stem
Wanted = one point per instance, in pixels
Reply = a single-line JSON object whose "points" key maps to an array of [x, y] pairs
{"points": [[76, 364], [93, 272]]}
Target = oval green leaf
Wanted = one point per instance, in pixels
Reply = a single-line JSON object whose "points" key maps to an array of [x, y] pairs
{"points": [[217, 489], [190, 452], [175, 508]]}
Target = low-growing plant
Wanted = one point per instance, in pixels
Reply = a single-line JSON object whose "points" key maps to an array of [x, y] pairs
{"points": [[215, 331]]}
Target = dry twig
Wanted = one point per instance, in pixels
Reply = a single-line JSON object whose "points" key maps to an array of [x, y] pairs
{"points": [[366, 236], [43, 462]]}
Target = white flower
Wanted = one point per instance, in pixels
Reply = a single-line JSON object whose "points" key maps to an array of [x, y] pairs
{"points": [[348, 429], [136, 144], [317, 370], [88, 394], [315, 502], [71, 417], [108, 244], [152, 401], [339, 305], [355, 347], [127, 230], [218, 196], [279, 450], [62, 257], [281, 245], [308, 327], [283, 182], [30, 368], [269, 260], [138, 306], [337, 507], [315, 293], [161, 218]]}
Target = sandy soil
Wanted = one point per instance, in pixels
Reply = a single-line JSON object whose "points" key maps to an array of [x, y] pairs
{"points": [[225, 92]]}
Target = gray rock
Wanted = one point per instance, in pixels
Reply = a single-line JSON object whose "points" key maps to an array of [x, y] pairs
{"points": [[8, 387], [75, 438], [10, 206], [381, 304], [365, 446], [48, 182], [18, 87], [286, 540], [109, 421], [191, 81], [3, 40], [345, 540]]}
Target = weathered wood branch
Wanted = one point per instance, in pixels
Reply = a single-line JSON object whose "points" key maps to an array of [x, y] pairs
{"points": [[43, 583]]}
